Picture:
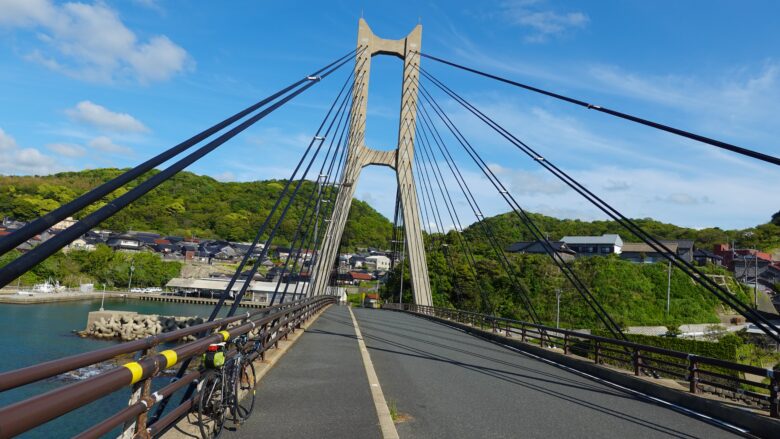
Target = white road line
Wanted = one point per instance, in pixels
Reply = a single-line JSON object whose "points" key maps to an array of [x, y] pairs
{"points": [[383, 413]]}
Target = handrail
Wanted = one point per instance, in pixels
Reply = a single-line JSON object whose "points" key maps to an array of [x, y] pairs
{"points": [[26, 375], [692, 362], [275, 322]]}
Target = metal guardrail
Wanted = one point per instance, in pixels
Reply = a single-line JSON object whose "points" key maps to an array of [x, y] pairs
{"points": [[270, 324], [732, 378]]}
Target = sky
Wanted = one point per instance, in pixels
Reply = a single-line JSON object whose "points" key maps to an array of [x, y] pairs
{"points": [[111, 83]]}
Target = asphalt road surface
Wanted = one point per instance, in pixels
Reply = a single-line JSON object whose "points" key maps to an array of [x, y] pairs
{"points": [[443, 383], [453, 385]]}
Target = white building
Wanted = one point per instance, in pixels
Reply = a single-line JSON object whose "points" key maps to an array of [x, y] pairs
{"points": [[382, 262]]}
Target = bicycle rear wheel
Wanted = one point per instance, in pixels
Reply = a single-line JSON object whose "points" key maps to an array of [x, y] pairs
{"points": [[210, 405], [245, 390]]}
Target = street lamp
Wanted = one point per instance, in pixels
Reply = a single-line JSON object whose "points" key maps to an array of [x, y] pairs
{"points": [[132, 269]]}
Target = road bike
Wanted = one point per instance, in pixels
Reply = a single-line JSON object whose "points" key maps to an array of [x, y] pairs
{"points": [[226, 389]]}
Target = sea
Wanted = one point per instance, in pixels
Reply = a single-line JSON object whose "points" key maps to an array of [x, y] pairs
{"points": [[30, 334]]}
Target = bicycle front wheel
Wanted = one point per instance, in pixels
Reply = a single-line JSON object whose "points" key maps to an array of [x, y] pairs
{"points": [[210, 405], [245, 390]]}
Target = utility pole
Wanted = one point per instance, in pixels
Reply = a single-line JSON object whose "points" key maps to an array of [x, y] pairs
{"points": [[755, 283], [558, 308], [668, 287]]}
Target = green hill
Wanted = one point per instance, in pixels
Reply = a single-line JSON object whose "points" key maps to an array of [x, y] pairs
{"points": [[633, 294], [186, 205]]}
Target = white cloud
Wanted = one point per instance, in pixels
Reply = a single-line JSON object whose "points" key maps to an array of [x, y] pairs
{"points": [[66, 149], [150, 4], [528, 182], [544, 23], [683, 199], [105, 144], [90, 42], [6, 141], [101, 117], [23, 161], [616, 185], [225, 176]]}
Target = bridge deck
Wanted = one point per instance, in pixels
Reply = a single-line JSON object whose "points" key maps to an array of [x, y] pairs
{"points": [[444, 384]]}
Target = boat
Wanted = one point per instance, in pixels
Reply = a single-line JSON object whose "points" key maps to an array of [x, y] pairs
{"points": [[44, 288]]}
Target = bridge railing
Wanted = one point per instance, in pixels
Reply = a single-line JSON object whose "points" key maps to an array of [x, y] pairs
{"points": [[269, 325], [752, 386]]}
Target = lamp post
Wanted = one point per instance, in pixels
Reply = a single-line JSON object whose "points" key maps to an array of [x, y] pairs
{"points": [[103, 297], [132, 269]]}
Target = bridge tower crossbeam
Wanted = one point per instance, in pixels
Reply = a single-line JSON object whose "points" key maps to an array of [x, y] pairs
{"points": [[399, 159]]}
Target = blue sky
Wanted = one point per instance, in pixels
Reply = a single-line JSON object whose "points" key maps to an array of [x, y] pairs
{"points": [[110, 83]]}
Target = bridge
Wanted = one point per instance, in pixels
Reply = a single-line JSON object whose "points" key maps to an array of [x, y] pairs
{"points": [[309, 366]]}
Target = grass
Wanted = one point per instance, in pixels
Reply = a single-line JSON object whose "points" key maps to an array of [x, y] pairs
{"points": [[393, 410]]}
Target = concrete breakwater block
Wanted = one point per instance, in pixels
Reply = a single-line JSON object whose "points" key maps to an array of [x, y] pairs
{"points": [[126, 325]]}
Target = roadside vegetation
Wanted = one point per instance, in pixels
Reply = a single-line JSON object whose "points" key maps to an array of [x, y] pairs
{"points": [[101, 266]]}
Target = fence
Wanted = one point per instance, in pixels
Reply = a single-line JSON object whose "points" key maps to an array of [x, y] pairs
{"points": [[749, 384], [269, 324]]}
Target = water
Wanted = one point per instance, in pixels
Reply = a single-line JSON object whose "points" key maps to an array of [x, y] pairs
{"points": [[30, 334]]}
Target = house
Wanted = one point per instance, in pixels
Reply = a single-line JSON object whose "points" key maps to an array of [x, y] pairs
{"points": [[640, 252], [124, 242], [734, 258], [357, 261], [594, 245], [147, 238], [685, 248], [64, 224], [747, 266], [358, 276], [381, 262], [704, 257], [371, 300], [539, 247], [218, 250], [771, 276], [354, 277], [81, 243]]}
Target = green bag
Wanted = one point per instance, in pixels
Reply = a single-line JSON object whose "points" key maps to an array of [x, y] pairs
{"points": [[214, 357]]}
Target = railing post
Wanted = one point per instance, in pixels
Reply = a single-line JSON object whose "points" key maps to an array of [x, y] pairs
{"points": [[693, 374], [597, 352], [495, 325], [508, 334], [637, 357], [774, 387], [141, 390], [522, 333], [565, 344]]}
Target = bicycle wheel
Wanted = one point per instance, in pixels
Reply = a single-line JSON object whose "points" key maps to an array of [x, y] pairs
{"points": [[211, 406], [245, 390]]}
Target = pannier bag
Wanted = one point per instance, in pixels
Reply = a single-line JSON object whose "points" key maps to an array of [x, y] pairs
{"points": [[214, 356]]}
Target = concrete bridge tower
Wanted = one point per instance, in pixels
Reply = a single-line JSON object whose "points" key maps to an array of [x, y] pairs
{"points": [[400, 159]]}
